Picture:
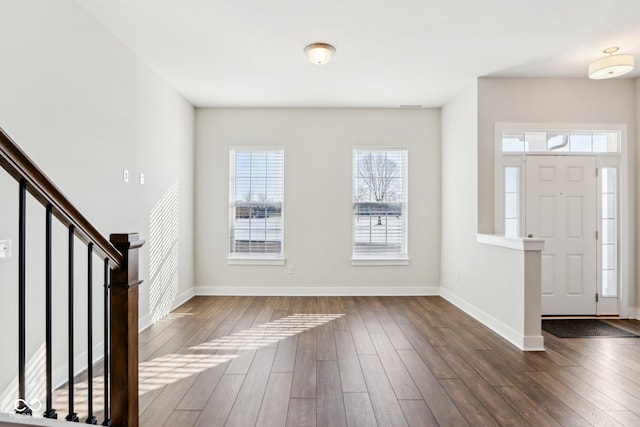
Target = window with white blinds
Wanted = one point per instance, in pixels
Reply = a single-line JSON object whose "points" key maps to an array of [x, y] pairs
{"points": [[379, 203], [256, 194]]}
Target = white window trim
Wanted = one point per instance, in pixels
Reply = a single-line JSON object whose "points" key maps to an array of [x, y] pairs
{"points": [[245, 260], [502, 159], [385, 260], [257, 259], [367, 262]]}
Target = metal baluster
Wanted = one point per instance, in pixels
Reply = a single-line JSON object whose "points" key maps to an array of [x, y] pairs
{"points": [[72, 415], [107, 341], [49, 411], [21, 406], [90, 418]]}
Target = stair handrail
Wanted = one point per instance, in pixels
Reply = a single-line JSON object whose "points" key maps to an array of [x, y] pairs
{"points": [[21, 167]]}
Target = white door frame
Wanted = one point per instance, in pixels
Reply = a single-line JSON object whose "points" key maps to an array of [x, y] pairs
{"points": [[626, 229]]}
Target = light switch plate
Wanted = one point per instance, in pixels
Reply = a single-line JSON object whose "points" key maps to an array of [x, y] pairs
{"points": [[125, 175], [5, 248]]}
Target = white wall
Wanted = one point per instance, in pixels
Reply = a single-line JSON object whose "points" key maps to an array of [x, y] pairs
{"points": [[536, 100], [637, 166], [485, 281], [318, 147], [83, 107]]}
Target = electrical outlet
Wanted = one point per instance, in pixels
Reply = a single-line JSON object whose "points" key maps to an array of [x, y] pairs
{"points": [[125, 175], [292, 269], [5, 248], [141, 178]]}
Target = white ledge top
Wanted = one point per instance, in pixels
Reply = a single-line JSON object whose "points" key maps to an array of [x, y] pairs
{"points": [[521, 243]]}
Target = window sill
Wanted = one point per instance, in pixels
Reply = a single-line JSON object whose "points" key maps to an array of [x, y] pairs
{"points": [[379, 261], [255, 261]]}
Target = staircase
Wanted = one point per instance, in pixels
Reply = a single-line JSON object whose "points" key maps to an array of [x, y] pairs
{"points": [[119, 319]]}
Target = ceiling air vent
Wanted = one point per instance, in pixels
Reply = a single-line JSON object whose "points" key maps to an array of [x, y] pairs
{"points": [[411, 106]]}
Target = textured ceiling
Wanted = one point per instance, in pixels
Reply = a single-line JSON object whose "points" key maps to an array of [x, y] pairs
{"points": [[249, 53]]}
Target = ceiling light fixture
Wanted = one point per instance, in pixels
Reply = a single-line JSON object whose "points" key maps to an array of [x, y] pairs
{"points": [[319, 53], [612, 65]]}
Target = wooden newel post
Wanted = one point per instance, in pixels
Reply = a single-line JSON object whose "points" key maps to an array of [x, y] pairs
{"points": [[124, 332]]}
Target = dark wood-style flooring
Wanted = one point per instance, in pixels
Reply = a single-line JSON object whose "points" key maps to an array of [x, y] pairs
{"points": [[367, 361]]}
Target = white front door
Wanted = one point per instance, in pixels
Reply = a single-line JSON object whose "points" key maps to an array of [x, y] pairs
{"points": [[560, 207]]}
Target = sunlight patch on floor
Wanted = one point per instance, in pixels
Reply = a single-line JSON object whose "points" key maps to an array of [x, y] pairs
{"points": [[171, 368], [268, 333]]}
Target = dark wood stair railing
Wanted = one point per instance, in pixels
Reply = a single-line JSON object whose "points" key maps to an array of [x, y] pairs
{"points": [[121, 283]]}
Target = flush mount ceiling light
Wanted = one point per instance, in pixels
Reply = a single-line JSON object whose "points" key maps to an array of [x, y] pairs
{"points": [[319, 53], [612, 65]]}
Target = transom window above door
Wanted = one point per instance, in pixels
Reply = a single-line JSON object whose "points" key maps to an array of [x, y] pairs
{"points": [[541, 141]]}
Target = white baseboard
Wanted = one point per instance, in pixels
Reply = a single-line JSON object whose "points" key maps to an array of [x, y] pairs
{"points": [[14, 420], [634, 313], [318, 290], [183, 297], [144, 322], [147, 320], [524, 343]]}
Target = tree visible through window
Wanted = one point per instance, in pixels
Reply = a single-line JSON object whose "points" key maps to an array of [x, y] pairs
{"points": [[379, 203], [256, 202]]}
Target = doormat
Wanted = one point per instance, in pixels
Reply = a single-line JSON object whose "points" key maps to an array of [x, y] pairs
{"points": [[584, 328]]}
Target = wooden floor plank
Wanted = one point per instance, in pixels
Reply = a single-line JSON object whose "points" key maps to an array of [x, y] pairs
{"points": [[385, 404], [493, 402], [285, 359], [471, 408], [613, 390], [538, 394], [417, 413], [427, 325], [304, 372], [325, 343], [273, 411], [368, 315], [586, 391], [359, 410], [160, 410], [198, 394], [182, 419], [330, 406], [439, 402], [247, 405], [302, 413], [336, 307], [217, 409], [625, 418], [574, 401], [530, 411], [397, 338], [349, 364], [360, 335], [397, 374], [429, 355]]}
